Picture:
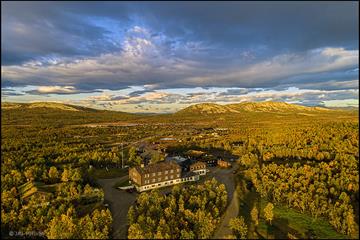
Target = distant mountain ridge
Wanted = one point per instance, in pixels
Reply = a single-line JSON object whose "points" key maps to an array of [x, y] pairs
{"points": [[207, 108], [273, 107], [213, 108], [53, 105], [202, 108]]}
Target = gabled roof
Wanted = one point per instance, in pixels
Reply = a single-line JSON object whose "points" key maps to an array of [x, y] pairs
{"points": [[198, 164], [158, 167]]}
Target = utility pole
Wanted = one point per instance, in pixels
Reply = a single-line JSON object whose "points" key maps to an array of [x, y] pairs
{"points": [[122, 155]]}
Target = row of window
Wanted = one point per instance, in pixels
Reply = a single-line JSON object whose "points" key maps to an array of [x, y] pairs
{"points": [[160, 179], [198, 167], [169, 183], [159, 184], [160, 173]]}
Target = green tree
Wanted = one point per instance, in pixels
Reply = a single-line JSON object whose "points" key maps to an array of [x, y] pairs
{"points": [[132, 155]]}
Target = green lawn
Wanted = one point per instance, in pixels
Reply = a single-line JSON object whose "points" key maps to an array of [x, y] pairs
{"points": [[102, 173], [287, 219]]}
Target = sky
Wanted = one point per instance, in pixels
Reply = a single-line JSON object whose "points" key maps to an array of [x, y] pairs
{"points": [[164, 56]]}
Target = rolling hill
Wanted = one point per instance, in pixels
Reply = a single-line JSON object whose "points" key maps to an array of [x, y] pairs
{"points": [[270, 107], [207, 108], [41, 113], [274, 107], [49, 105]]}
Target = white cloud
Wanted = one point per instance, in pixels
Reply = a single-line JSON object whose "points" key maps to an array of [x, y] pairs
{"points": [[149, 60]]}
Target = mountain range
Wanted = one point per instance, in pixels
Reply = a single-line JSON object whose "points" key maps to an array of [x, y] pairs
{"points": [[202, 108]]}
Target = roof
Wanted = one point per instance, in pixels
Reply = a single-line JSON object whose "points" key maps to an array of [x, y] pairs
{"points": [[31, 187], [201, 164], [158, 167]]}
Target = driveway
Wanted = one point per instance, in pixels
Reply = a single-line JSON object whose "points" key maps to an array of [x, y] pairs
{"points": [[226, 177], [119, 202]]}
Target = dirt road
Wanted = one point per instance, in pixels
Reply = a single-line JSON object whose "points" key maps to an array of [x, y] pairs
{"points": [[226, 177], [231, 212], [119, 202]]}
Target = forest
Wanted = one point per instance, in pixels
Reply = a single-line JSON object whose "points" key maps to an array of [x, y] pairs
{"points": [[49, 158], [186, 213]]}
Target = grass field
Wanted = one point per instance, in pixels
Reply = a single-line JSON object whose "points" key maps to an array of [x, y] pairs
{"points": [[289, 220]]}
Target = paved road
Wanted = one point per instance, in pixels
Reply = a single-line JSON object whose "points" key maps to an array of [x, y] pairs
{"points": [[119, 202]]}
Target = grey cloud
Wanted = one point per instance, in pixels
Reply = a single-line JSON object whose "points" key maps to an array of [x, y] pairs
{"points": [[63, 28], [139, 93], [34, 30], [235, 92]]}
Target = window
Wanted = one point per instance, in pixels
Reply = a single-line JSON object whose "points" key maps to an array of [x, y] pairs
{"points": [[178, 170], [171, 171], [171, 176], [159, 179], [153, 180], [153, 174], [166, 172], [166, 177], [178, 175], [159, 173]]}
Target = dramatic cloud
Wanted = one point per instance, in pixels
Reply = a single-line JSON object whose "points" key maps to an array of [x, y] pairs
{"points": [[56, 90], [147, 49]]}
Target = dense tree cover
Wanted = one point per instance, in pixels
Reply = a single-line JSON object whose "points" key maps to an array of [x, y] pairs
{"points": [[311, 167], [68, 226], [190, 212], [308, 162], [327, 189]]}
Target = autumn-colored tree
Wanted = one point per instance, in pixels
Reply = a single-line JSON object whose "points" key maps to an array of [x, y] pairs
{"points": [[62, 227], [255, 215], [65, 176], [53, 174], [268, 212], [239, 227]]}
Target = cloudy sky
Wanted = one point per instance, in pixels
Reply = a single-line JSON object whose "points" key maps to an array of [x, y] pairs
{"points": [[161, 57]]}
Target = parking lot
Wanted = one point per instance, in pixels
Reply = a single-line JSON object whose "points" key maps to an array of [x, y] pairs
{"points": [[119, 202]]}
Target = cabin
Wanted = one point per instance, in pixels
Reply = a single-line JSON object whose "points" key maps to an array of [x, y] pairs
{"points": [[223, 164], [199, 168]]}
